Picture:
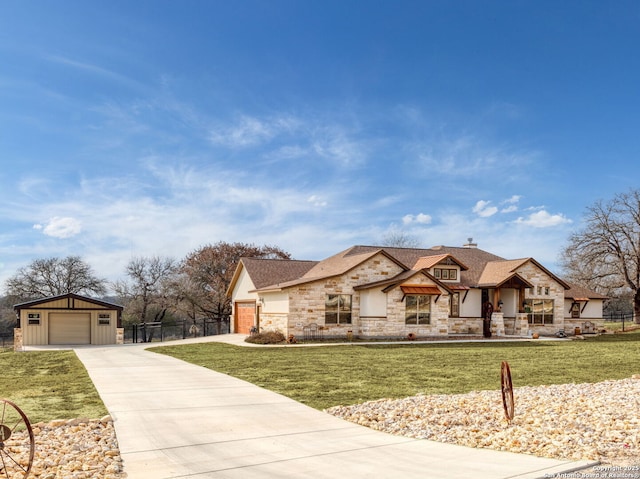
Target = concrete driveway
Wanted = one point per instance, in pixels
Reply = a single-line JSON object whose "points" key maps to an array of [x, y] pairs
{"points": [[177, 420]]}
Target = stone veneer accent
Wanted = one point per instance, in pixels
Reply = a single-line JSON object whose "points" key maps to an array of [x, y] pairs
{"points": [[307, 305], [119, 335], [273, 322], [497, 324], [465, 325], [539, 278], [17, 339]]}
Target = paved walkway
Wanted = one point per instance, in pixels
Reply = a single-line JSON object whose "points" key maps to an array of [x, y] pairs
{"points": [[177, 420]]}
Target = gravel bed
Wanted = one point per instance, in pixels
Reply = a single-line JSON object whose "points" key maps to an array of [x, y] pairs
{"points": [[598, 421], [74, 449]]}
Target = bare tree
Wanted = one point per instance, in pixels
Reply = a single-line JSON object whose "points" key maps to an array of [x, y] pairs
{"points": [[148, 293], [54, 276], [399, 239], [208, 272], [605, 254]]}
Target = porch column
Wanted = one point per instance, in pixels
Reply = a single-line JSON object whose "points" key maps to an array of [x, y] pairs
{"points": [[497, 323]]}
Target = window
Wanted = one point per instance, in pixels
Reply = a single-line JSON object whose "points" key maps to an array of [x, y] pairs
{"points": [[575, 310], [337, 309], [418, 309], [455, 305], [33, 319], [539, 311], [104, 319], [445, 273]]}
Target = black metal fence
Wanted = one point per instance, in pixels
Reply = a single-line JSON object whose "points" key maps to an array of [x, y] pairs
{"points": [[618, 316], [172, 330], [6, 341]]}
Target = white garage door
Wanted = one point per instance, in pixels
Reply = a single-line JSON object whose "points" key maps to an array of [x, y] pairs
{"points": [[70, 328]]}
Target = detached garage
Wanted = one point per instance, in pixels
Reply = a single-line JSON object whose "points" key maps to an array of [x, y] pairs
{"points": [[68, 319]]}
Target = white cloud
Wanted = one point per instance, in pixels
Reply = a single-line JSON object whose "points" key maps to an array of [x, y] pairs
{"points": [[316, 201], [512, 204], [513, 200], [250, 131], [543, 219], [61, 227], [465, 156], [484, 210], [420, 218]]}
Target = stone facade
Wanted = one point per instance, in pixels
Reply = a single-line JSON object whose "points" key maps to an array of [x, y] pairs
{"points": [[273, 322], [378, 304], [465, 326], [307, 305], [545, 287], [17, 339]]}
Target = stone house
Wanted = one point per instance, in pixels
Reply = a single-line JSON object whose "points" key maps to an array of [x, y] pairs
{"points": [[386, 292]]}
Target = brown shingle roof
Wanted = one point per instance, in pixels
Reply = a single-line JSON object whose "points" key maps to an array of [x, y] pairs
{"points": [[497, 272], [577, 291], [473, 258], [265, 272], [428, 262], [333, 266], [482, 267]]}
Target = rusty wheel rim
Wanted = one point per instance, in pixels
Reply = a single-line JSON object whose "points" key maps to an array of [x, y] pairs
{"points": [[17, 446], [507, 391]]}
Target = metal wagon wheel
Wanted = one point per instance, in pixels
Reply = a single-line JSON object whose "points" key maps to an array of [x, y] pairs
{"points": [[507, 391], [17, 447]]}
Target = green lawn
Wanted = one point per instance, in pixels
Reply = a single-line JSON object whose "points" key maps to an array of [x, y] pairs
{"points": [[49, 385], [327, 376], [55, 385]]}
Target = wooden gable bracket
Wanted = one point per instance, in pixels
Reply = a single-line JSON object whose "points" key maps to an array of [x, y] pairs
{"points": [[585, 305], [581, 300]]}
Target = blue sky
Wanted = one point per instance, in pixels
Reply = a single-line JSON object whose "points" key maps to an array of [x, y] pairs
{"points": [[139, 128]]}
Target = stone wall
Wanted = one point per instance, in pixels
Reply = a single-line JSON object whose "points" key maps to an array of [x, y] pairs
{"points": [[17, 339], [307, 305], [541, 282], [497, 324], [273, 322], [307, 302], [465, 325], [119, 335]]}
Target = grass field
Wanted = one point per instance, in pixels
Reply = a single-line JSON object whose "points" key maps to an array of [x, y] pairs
{"points": [[54, 384], [327, 376], [49, 385]]}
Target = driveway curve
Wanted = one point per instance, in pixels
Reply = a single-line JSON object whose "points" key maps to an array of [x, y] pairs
{"points": [[178, 420]]}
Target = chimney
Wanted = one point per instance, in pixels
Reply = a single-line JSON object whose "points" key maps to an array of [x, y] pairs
{"points": [[470, 244]]}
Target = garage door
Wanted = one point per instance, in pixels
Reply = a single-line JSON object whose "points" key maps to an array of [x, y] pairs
{"points": [[244, 317], [68, 328]]}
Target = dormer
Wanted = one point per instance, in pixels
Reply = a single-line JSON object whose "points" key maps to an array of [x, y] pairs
{"points": [[444, 267]]}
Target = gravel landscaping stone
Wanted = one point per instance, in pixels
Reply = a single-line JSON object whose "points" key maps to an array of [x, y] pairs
{"points": [[598, 421], [76, 449]]}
